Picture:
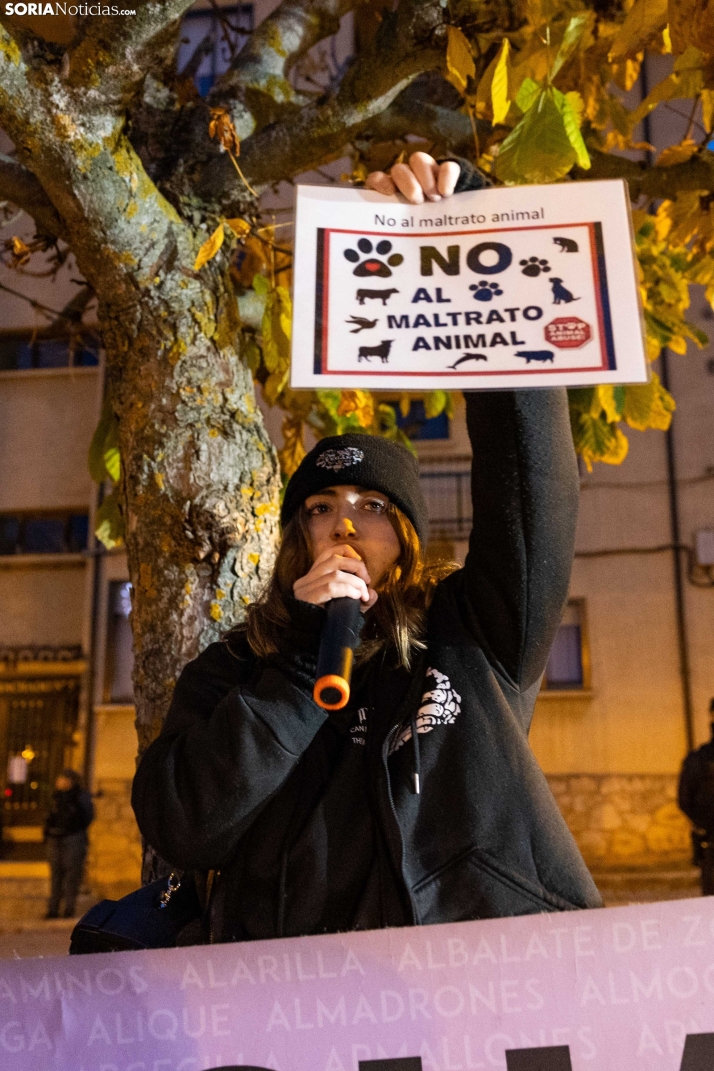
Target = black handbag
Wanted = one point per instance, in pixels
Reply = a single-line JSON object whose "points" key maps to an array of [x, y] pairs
{"points": [[151, 917]]}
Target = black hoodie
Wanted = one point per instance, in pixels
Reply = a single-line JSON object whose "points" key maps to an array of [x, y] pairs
{"points": [[483, 837]]}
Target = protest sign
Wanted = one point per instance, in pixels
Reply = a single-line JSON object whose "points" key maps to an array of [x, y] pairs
{"points": [[623, 989], [517, 286]]}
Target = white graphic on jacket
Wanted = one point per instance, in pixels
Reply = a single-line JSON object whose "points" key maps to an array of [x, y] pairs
{"points": [[438, 707], [360, 728]]}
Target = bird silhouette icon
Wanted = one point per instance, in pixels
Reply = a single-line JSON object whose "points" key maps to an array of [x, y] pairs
{"points": [[361, 324]]}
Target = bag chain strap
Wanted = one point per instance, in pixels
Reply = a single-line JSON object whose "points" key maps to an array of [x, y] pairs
{"points": [[172, 886]]}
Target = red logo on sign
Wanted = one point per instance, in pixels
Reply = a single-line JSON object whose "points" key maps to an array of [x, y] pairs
{"points": [[568, 332]]}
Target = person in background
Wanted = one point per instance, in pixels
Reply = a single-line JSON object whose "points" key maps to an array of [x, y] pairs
{"points": [[66, 838], [696, 799]]}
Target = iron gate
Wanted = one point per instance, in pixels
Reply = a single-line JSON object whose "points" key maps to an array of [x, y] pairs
{"points": [[38, 717]]}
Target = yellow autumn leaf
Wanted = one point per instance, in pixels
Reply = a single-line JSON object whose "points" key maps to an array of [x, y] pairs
{"points": [[459, 61], [209, 248], [618, 450], [499, 85], [221, 127], [648, 405], [677, 154], [644, 19], [708, 109], [481, 100], [626, 71], [604, 401], [238, 226], [293, 449], [691, 23], [360, 403]]}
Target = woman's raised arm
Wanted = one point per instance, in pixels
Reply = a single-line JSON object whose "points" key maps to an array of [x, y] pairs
{"points": [[524, 484]]}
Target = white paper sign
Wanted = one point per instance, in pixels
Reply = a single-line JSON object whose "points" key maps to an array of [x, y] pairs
{"points": [[517, 286]]}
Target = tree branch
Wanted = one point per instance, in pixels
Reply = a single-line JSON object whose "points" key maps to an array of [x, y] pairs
{"points": [[448, 129], [257, 85], [19, 185], [409, 42], [111, 57], [116, 217], [697, 173]]}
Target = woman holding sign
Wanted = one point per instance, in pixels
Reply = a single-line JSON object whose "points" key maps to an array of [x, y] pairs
{"points": [[420, 801]]}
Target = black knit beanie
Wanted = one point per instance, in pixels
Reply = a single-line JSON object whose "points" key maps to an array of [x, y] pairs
{"points": [[367, 461]]}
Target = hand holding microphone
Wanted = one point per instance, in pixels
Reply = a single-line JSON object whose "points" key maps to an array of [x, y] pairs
{"points": [[339, 581]]}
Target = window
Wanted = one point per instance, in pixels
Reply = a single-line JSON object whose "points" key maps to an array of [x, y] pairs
{"points": [[418, 426], [567, 668], [20, 350], [43, 533], [118, 687], [223, 39], [448, 501]]}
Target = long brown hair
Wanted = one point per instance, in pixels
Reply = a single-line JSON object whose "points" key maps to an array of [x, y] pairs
{"points": [[396, 620]]}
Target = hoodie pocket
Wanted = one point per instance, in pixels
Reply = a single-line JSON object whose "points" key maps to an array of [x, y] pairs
{"points": [[475, 885]]}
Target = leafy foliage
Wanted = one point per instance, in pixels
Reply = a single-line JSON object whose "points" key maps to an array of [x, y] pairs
{"points": [[105, 466], [552, 88], [548, 81]]}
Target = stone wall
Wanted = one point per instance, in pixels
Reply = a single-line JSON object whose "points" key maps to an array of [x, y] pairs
{"points": [[624, 820], [619, 821], [114, 862]]}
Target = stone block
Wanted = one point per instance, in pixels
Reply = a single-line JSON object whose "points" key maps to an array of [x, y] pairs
{"points": [[670, 815], [668, 840], [626, 844], [606, 818], [638, 822], [593, 845]]}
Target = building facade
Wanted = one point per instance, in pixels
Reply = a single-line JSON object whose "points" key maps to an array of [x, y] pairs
{"points": [[629, 679]]}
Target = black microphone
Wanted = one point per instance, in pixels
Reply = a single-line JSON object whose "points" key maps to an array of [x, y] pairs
{"points": [[340, 636]]}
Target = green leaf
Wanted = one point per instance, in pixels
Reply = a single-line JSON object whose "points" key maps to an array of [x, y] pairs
{"points": [[580, 399], [573, 33], [109, 523], [528, 94], [251, 354], [261, 285], [571, 123], [538, 149]]}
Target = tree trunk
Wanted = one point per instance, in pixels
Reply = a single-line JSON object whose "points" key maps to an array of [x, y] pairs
{"points": [[200, 478]]}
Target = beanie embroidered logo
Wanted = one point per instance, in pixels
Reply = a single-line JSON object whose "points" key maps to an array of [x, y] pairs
{"points": [[334, 460], [439, 706]]}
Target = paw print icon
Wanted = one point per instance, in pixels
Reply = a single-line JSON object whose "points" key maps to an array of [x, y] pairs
{"points": [[483, 291], [533, 266], [370, 266]]}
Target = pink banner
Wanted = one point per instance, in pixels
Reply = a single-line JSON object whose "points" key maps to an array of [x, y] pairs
{"points": [[610, 990]]}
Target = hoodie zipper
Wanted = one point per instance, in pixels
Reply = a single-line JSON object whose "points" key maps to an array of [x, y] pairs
{"points": [[386, 748]]}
